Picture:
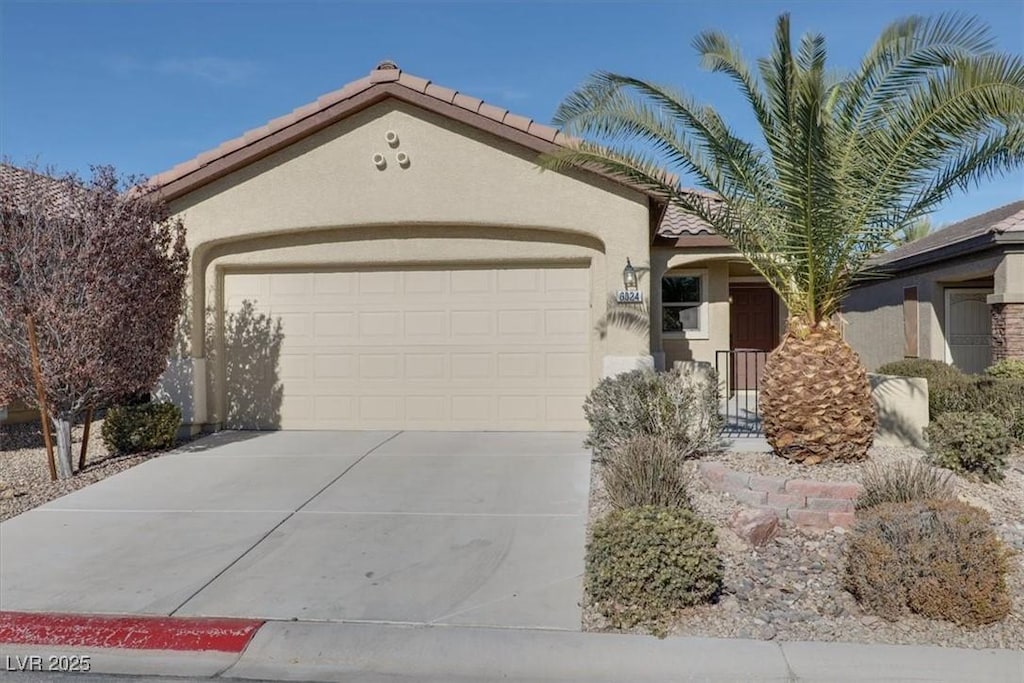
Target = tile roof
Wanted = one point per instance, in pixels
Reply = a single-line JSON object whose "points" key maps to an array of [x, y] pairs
{"points": [[679, 223], [18, 185], [385, 73], [389, 80], [1008, 218]]}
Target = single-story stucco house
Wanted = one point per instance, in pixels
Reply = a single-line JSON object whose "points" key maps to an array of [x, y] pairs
{"points": [[391, 256], [955, 295]]}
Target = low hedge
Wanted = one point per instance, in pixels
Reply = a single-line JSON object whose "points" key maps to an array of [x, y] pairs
{"points": [[1001, 397], [931, 370], [1008, 368], [971, 443], [141, 427], [644, 564]]}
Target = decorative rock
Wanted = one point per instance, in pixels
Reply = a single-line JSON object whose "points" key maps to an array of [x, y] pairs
{"points": [[756, 527]]}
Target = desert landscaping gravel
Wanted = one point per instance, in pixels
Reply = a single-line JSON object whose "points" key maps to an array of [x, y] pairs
{"points": [[791, 588], [24, 475]]}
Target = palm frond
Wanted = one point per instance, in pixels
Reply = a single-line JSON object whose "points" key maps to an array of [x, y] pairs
{"points": [[847, 159]]}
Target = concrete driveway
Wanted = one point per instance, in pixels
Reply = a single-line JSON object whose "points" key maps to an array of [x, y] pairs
{"points": [[477, 528]]}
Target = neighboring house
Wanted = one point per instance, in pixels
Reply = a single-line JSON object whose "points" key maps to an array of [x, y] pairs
{"points": [[15, 182], [955, 295], [390, 256]]}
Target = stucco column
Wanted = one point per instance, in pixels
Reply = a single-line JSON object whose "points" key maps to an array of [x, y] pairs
{"points": [[1007, 304]]}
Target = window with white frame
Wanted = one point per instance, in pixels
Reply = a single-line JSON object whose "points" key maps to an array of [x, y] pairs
{"points": [[684, 303]]}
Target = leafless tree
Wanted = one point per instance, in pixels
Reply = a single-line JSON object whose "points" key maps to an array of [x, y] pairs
{"points": [[99, 266]]}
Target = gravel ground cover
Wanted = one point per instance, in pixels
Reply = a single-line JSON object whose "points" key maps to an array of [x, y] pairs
{"points": [[24, 476], [791, 589]]}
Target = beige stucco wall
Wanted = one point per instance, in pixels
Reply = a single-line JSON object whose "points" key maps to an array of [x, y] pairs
{"points": [[873, 312], [466, 198], [720, 266], [902, 405]]}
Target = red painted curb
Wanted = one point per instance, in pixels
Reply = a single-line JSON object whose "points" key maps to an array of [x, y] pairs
{"points": [[131, 633]]}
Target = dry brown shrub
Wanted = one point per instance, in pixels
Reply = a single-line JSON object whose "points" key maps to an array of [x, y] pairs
{"points": [[937, 558]]}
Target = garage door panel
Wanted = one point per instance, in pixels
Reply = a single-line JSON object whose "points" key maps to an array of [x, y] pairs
{"points": [[379, 282], [334, 283], [341, 325], [466, 325], [520, 323], [380, 324], [566, 280], [334, 408], [424, 282], [426, 349], [472, 281], [472, 366], [427, 324], [520, 281], [423, 366]]}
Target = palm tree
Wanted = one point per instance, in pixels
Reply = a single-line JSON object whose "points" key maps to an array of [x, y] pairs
{"points": [[911, 232], [844, 161]]}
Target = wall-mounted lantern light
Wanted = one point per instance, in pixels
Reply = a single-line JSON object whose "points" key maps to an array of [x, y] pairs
{"points": [[630, 294], [629, 277]]}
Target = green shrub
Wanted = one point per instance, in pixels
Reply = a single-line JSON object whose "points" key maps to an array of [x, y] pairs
{"points": [[951, 395], [931, 370], [1002, 398], [142, 427], [975, 443], [644, 564], [681, 407], [646, 470], [1008, 368], [905, 481], [939, 558]]}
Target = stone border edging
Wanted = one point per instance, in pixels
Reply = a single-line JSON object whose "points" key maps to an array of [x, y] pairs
{"points": [[805, 502]]}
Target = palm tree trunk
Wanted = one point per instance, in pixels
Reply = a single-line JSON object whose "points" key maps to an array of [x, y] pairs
{"points": [[815, 397]]}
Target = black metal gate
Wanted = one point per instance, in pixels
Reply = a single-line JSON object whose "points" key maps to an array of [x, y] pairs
{"points": [[740, 371]]}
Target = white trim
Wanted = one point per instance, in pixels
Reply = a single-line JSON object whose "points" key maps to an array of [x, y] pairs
{"points": [[946, 291], [703, 330]]}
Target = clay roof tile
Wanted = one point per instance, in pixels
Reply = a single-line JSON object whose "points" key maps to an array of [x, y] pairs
{"points": [[384, 75], [466, 102], [492, 112], [517, 121], [440, 92], [413, 82], [541, 131]]}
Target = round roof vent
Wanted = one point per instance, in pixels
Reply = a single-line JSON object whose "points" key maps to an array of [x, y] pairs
{"points": [[386, 65]]}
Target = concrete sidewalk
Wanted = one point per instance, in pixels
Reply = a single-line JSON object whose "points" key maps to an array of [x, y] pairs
{"points": [[381, 653]]}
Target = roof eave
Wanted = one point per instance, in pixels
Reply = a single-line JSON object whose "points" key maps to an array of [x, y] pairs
{"points": [[1015, 237], [690, 241], [944, 253]]}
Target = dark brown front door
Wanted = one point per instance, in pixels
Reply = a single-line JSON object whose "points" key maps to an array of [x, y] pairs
{"points": [[754, 326]]}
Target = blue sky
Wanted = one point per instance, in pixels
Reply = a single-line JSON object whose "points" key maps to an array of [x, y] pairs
{"points": [[146, 85]]}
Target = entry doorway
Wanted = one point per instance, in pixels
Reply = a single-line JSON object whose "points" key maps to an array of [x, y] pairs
{"points": [[753, 331], [968, 328]]}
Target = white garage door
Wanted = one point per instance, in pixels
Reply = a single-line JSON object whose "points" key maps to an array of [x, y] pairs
{"points": [[969, 329], [503, 349]]}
